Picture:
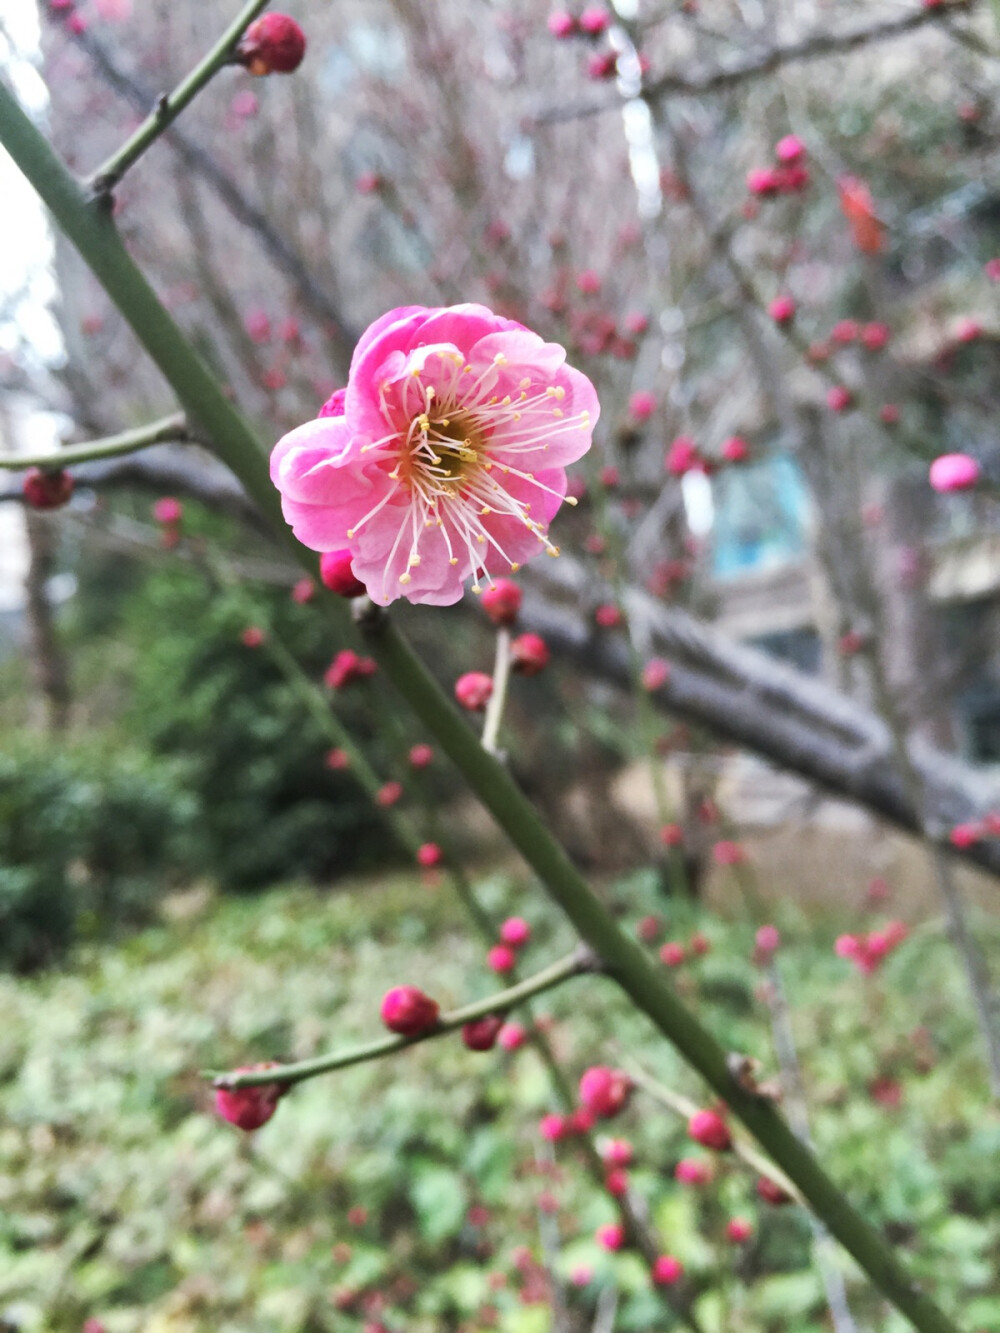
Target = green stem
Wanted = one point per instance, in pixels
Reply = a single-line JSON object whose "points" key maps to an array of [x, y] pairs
{"points": [[168, 108], [91, 232], [574, 965], [167, 430]]}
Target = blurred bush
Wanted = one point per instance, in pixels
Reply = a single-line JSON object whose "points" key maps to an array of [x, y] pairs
{"points": [[88, 839]]}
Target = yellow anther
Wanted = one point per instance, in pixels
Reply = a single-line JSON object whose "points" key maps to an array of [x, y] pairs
{"points": [[571, 500], [350, 532], [453, 560], [405, 578], [499, 359], [413, 561], [558, 412], [514, 568]]}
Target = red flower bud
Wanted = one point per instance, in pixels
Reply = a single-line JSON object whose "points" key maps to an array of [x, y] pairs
{"points": [[710, 1130], [515, 931], [502, 601], [482, 1034], [529, 654], [473, 690], [337, 575], [45, 488], [667, 1270], [408, 1011], [429, 855], [249, 1108], [603, 1091], [273, 44]]}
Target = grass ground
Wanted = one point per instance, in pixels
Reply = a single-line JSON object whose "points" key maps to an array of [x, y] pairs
{"points": [[405, 1194]]}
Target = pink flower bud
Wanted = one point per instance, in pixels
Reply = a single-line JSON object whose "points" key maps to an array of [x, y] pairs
{"points": [[618, 1152], [167, 510], [589, 282], [608, 616], [409, 1012], [728, 853], [667, 1270], [582, 1275], [303, 591], [603, 1091], [257, 324], [616, 1182], [768, 939], [875, 336], [954, 472], [501, 959], [789, 149], [249, 1108], [636, 322], [502, 601], [738, 1230], [529, 654], [672, 835], [682, 457], [846, 946], [763, 181], [560, 24], [967, 330], [672, 953], [515, 931], [337, 759], [552, 1127], [655, 673], [481, 1035], [691, 1171], [46, 488], [889, 414], [595, 20], [769, 1191], [273, 44], [512, 1036], [421, 756], [473, 690], [649, 928], [700, 944], [641, 405], [388, 794], [346, 668], [429, 855], [838, 398], [336, 574], [611, 1236], [845, 331], [735, 449], [710, 1130], [253, 636], [964, 835], [782, 310], [602, 65]]}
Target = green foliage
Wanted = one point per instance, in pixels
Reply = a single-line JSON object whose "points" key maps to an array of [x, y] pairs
{"points": [[268, 807], [125, 1199], [86, 840]]}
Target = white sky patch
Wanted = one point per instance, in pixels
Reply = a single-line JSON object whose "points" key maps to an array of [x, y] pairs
{"points": [[699, 508]]}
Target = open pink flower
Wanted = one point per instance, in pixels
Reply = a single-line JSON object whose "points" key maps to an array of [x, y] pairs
{"points": [[449, 459]]}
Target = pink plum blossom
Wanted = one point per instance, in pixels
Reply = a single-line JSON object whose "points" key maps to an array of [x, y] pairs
{"points": [[449, 459]]}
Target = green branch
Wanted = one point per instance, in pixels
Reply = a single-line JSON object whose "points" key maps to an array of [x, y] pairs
{"points": [[170, 106], [171, 429], [574, 965], [235, 443]]}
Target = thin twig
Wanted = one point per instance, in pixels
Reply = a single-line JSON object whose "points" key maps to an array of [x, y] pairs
{"points": [[170, 106]]}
